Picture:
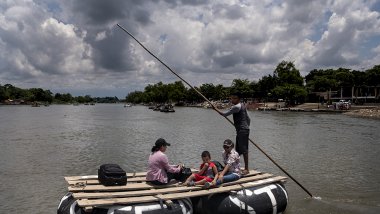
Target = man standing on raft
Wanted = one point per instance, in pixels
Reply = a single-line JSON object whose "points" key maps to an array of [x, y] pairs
{"points": [[241, 123]]}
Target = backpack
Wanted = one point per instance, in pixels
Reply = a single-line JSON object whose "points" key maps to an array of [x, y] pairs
{"points": [[112, 175], [218, 165], [183, 174]]}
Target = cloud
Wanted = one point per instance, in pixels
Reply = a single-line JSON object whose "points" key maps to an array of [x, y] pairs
{"points": [[347, 29], [36, 46], [75, 44]]}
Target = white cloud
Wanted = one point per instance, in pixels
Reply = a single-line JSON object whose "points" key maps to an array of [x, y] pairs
{"points": [[38, 48], [100, 36], [76, 43]]}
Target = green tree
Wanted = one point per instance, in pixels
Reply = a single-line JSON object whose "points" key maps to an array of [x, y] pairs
{"points": [[321, 83], [242, 86], [3, 95], [290, 83], [287, 73], [192, 96], [360, 78], [220, 92], [255, 88], [266, 85], [135, 97], [38, 94], [67, 98], [373, 76], [344, 77], [292, 93], [176, 91], [208, 90]]}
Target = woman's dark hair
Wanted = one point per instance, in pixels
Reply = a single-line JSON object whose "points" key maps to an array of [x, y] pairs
{"points": [[206, 154], [159, 143], [155, 148]]}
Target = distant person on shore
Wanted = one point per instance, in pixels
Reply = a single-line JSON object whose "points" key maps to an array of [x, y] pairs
{"points": [[208, 172], [160, 172], [231, 171], [241, 123]]}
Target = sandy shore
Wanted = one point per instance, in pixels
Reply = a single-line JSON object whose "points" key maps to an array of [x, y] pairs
{"points": [[357, 111], [369, 113]]}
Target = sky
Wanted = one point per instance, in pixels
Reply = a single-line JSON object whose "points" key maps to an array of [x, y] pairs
{"points": [[74, 46]]}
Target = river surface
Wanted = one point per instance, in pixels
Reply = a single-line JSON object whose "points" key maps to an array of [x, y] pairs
{"points": [[336, 157]]}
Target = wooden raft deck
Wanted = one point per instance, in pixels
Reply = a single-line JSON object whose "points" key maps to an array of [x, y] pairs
{"points": [[90, 193]]}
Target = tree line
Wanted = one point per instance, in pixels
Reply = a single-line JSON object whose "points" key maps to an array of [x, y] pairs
{"points": [[285, 83], [11, 92]]}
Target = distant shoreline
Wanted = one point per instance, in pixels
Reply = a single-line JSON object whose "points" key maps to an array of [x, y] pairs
{"points": [[372, 111]]}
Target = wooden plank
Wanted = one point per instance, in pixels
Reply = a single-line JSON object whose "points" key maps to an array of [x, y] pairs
{"points": [[95, 177], [92, 177], [82, 195], [96, 181], [222, 189], [130, 186], [135, 179], [173, 196]]}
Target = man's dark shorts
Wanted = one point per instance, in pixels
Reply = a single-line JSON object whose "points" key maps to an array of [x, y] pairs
{"points": [[242, 137]]}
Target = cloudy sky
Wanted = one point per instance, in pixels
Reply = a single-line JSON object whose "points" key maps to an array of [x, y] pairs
{"points": [[75, 46]]}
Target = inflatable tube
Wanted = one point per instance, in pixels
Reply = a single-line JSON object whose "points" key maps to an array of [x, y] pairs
{"points": [[270, 198], [68, 205]]}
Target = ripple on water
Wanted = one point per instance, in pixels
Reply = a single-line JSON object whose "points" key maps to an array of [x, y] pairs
{"points": [[333, 155]]}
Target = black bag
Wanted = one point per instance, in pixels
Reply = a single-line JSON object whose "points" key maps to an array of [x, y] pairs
{"points": [[112, 175], [185, 173], [182, 175], [218, 165]]}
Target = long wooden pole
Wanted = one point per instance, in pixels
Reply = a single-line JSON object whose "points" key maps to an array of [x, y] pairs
{"points": [[207, 100]]}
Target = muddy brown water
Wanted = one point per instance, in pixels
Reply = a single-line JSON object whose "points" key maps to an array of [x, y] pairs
{"points": [[335, 156]]}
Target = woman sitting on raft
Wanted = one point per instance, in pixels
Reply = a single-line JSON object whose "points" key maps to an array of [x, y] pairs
{"points": [[159, 170], [231, 171]]}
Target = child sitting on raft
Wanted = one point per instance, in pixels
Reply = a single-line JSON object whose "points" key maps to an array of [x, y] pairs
{"points": [[208, 172]]}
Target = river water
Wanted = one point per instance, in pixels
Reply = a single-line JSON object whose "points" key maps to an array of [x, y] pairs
{"points": [[336, 157]]}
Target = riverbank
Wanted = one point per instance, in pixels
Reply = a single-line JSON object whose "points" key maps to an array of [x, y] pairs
{"points": [[373, 112], [357, 111], [305, 107]]}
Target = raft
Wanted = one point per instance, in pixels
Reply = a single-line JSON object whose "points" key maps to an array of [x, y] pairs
{"points": [[256, 192]]}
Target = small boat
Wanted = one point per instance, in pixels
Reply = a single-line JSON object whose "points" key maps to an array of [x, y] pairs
{"points": [[157, 108], [255, 192], [35, 104], [127, 105], [167, 108]]}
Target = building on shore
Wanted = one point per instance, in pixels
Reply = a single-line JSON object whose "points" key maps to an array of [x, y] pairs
{"points": [[355, 94]]}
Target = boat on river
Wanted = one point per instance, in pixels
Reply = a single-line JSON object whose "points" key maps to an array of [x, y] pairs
{"points": [[167, 108], [35, 104], [157, 108], [255, 192]]}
